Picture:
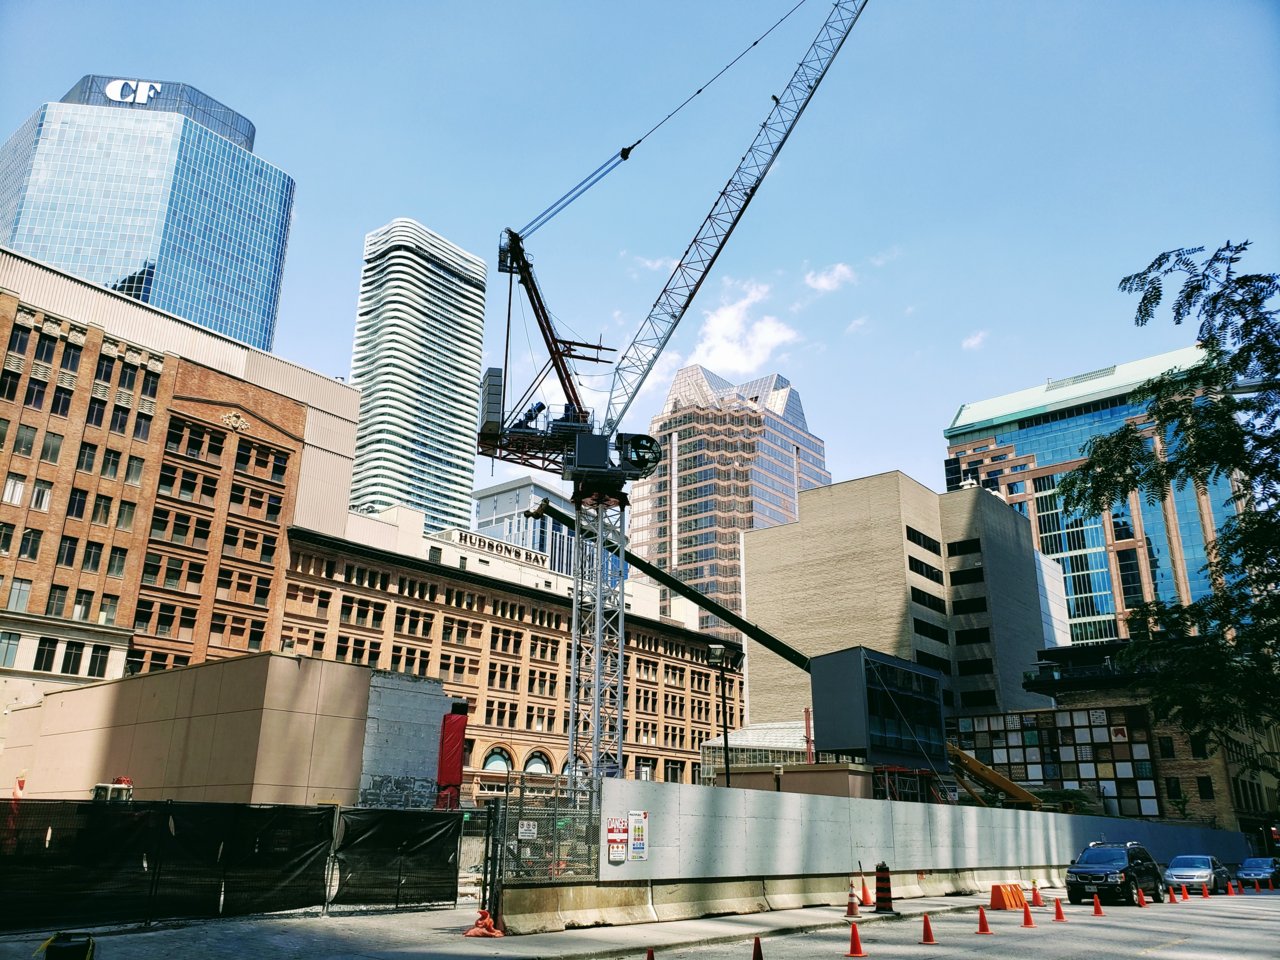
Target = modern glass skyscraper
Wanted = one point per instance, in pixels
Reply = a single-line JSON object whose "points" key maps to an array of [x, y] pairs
{"points": [[416, 361], [735, 457], [153, 190], [500, 514], [1021, 444]]}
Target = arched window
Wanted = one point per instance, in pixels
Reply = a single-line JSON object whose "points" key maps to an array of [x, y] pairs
{"points": [[582, 767], [498, 759], [537, 762]]}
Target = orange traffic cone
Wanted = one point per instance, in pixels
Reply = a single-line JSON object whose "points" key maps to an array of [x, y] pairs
{"points": [[1256, 888], [1026, 916], [648, 954], [1097, 907], [755, 951], [1231, 890], [928, 940], [1270, 885], [1142, 900], [1036, 899], [866, 895], [1058, 915], [982, 923], [852, 909], [1204, 891], [1184, 891], [1173, 895], [855, 942]]}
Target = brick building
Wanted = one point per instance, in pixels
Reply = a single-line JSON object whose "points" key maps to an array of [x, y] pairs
{"points": [[172, 496]]}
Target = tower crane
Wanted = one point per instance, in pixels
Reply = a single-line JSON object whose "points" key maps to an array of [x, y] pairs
{"points": [[595, 457]]}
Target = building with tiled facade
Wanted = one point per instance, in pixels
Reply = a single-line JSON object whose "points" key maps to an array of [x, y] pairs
{"points": [[173, 497], [735, 458]]}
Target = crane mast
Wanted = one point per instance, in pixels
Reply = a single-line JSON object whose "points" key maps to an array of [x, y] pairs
{"points": [[600, 462]]}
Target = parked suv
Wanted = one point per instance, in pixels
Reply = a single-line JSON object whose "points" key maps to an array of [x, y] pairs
{"points": [[1115, 870]]}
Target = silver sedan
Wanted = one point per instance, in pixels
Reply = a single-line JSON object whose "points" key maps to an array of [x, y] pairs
{"points": [[1197, 870]]}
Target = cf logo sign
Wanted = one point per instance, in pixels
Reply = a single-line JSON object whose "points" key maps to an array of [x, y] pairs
{"points": [[131, 91]]}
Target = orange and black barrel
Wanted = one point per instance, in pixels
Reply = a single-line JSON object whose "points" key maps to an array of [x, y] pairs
{"points": [[884, 889]]}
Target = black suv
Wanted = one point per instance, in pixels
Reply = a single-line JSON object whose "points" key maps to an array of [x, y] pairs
{"points": [[1114, 869]]}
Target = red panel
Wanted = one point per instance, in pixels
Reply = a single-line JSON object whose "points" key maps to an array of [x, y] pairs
{"points": [[449, 770]]}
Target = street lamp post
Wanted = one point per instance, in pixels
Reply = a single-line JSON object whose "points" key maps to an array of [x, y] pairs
{"points": [[719, 656]]}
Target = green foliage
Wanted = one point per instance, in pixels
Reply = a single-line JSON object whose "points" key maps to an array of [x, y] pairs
{"points": [[1215, 662]]}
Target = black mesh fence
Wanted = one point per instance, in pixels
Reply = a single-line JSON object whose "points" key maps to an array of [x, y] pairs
{"points": [[80, 863], [397, 856]]}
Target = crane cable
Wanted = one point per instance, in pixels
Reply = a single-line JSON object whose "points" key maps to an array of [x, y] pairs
{"points": [[602, 171]]}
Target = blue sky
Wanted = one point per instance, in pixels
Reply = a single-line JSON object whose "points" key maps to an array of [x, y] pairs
{"points": [[948, 223]]}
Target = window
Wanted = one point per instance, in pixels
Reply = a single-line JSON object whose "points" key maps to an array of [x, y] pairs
{"points": [[926, 629], [9, 648], [56, 604], [978, 698], [84, 601], [975, 668], [128, 376], [67, 551], [1199, 747], [61, 405], [87, 456], [960, 548], [76, 503], [1205, 787], [15, 486], [924, 540], [98, 657], [115, 563], [110, 463], [24, 440], [72, 654], [45, 653], [928, 600], [119, 419], [924, 569], [35, 395], [961, 577], [133, 471], [41, 494], [124, 516], [151, 568], [940, 664], [1173, 788], [4, 432], [19, 340], [976, 635], [972, 605], [6, 538], [92, 557], [29, 549], [51, 449], [150, 383], [1165, 746], [9, 384], [46, 346], [142, 427], [71, 358], [19, 594], [101, 509], [106, 365], [97, 410]]}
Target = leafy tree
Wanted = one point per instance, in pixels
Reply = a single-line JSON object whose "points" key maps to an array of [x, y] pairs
{"points": [[1214, 663]]}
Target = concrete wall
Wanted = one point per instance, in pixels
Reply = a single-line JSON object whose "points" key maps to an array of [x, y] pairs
{"points": [[402, 741], [719, 851]]}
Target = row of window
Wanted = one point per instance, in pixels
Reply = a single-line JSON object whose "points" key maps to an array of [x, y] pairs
{"points": [[82, 609], [46, 346], [73, 656], [60, 406]]}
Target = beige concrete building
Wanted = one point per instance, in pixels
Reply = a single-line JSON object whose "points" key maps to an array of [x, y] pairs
{"points": [[948, 581]]}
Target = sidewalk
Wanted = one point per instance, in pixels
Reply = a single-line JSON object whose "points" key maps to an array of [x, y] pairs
{"points": [[437, 934]]}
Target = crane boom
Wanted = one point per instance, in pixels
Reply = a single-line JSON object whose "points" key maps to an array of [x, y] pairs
{"points": [[672, 303]]}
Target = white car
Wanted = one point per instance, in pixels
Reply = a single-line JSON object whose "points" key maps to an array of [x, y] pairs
{"points": [[1196, 871]]}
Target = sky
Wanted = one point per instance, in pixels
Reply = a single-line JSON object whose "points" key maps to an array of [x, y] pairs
{"points": [[948, 223]]}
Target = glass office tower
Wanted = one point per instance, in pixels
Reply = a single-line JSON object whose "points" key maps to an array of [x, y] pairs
{"points": [[152, 189], [1021, 444]]}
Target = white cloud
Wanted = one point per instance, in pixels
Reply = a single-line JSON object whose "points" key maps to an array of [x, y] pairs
{"points": [[857, 323], [908, 311], [732, 343], [974, 341], [878, 260], [660, 263], [830, 279]]}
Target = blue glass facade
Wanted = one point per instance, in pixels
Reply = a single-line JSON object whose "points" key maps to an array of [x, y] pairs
{"points": [[156, 195], [1144, 550]]}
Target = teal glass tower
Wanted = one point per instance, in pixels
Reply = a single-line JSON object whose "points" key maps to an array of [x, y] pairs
{"points": [[151, 188]]}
